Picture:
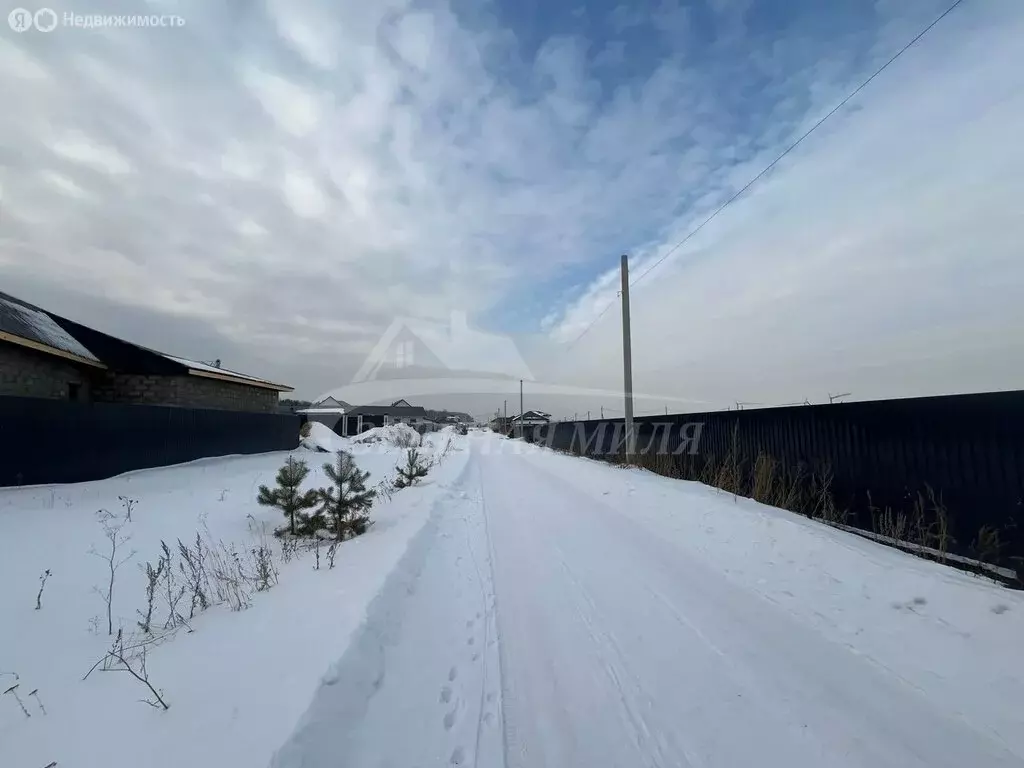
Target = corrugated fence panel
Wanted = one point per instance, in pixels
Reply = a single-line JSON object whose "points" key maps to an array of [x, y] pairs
{"points": [[969, 449], [53, 441]]}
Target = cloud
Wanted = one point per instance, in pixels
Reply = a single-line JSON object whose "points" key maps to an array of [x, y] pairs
{"points": [[281, 183], [81, 149]]}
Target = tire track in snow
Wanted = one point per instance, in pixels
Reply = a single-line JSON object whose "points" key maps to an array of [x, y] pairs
{"points": [[412, 670]]}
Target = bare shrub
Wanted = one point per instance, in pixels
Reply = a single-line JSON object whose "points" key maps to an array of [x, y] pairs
{"points": [[332, 551], [42, 585], [112, 526], [129, 507], [13, 692], [264, 572], [193, 568], [39, 702], [132, 661], [385, 489], [765, 477], [937, 533], [231, 583], [892, 525], [406, 439], [824, 500], [289, 549], [172, 590], [152, 585], [986, 546]]}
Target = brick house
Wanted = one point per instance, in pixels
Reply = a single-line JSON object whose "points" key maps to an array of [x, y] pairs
{"points": [[46, 356]]}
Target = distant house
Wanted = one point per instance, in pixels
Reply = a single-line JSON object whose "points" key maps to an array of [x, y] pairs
{"points": [[331, 402], [363, 417], [48, 356], [530, 419], [328, 411], [501, 424]]}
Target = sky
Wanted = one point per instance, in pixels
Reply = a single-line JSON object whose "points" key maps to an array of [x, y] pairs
{"points": [[273, 184]]}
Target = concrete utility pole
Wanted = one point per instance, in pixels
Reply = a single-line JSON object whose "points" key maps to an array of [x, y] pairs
{"points": [[627, 358]]}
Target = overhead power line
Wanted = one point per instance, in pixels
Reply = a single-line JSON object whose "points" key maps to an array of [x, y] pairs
{"points": [[773, 163]]}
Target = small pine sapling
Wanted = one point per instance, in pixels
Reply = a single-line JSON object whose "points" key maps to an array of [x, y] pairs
{"points": [[413, 470], [345, 503], [286, 496]]}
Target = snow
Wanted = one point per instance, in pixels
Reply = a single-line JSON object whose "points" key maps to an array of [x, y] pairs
{"points": [[238, 684], [518, 608], [323, 438], [399, 435], [42, 328], [196, 365], [560, 612]]}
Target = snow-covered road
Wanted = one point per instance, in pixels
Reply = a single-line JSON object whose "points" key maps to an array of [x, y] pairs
{"points": [[541, 619]]}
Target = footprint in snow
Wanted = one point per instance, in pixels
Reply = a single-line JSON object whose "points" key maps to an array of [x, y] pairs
{"points": [[458, 756], [446, 694], [452, 674], [1000, 608]]}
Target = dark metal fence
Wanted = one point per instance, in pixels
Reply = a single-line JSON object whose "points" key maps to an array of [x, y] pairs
{"points": [[964, 453], [54, 441]]}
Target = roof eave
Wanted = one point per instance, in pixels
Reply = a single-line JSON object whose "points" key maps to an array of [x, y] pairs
{"points": [[47, 349], [240, 380]]}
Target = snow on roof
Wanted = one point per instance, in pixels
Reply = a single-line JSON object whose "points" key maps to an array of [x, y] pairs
{"points": [[206, 367], [35, 325], [533, 415]]}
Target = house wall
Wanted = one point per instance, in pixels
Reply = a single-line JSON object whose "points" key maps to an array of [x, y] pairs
{"points": [[184, 391], [29, 373]]}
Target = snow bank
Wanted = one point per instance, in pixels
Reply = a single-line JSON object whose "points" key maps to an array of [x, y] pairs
{"points": [[323, 438], [398, 435], [235, 684]]}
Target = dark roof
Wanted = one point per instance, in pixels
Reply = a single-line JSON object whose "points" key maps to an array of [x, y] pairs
{"points": [[38, 326], [411, 411], [326, 403], [532, 415], [32, 324]]}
